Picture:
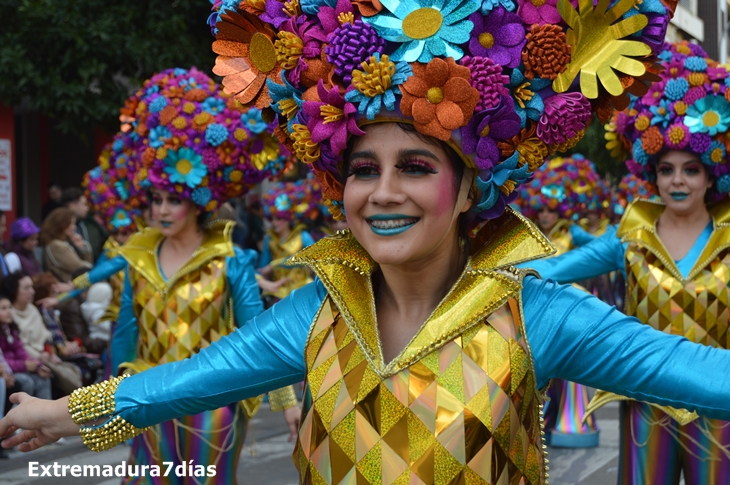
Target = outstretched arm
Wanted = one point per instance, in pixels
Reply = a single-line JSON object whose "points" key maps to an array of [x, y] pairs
{"points": [[601, 255], [577, 337], [244, 289], [264, 354]]}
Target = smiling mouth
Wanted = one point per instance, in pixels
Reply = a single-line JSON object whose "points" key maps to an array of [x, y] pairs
{"points": [[392, 223], [679, 195], [165, 223]]}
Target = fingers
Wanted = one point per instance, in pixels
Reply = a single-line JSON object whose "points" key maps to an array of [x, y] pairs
{"points": [[18, 397], [20, 440]]}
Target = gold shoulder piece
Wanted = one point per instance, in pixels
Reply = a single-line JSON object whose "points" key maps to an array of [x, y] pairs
{"points": [[640, 214]]}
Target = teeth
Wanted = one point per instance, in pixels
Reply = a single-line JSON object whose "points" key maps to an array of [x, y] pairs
{"points": [[393, 223]]}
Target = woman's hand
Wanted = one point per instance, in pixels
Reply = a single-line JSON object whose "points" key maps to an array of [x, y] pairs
{"points": [[45, 372], [272, 286], [43, 422], [69, 349], [9, 379], [77, 240], [266, 270], [31, 365], [63, 287], [292, 416]]}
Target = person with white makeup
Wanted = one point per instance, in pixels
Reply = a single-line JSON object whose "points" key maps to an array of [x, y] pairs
{"points": [[424, 349], [673, 253]]}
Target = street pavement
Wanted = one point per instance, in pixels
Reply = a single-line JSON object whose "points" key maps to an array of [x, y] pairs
{"points": [[267, 459]]}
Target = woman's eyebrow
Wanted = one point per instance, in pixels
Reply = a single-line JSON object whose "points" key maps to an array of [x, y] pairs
{"points": [[403, 153], [363, 154]]}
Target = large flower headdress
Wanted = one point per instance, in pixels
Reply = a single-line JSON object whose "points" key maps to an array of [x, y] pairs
{"points": [[589, 191], [108, 189], [504, 82], [688, 110], [631, 188], [193, 139], [562, 184], [294, 201]]}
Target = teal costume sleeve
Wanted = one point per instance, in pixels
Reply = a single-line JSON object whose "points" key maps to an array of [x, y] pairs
{"points": [[124, 341], [244, 289], [602, 255], [307, 239], [580, 236], [104, 269], [265, 354], [575, 336], [265, 257]]}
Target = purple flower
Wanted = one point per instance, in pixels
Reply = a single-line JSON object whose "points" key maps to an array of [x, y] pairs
{"points": [[332, 118], [312, 37], [350, 45], [487, 78], [274, 14], [539, 12], [564, 116], [328, 16], [653, 34], [485, 129], [499, 35]]}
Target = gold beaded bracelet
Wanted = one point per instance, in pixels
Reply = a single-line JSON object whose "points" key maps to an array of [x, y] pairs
{"points": [[282, 399], [97, 401]]}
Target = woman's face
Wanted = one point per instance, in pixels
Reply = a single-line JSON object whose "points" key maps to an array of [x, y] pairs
{"points": [[26, 292], [6, 312], [682, 181], [280, 225], [30, 243], [71, 229], [547, 218], [171, 213], [400, 196], [121, 236]]}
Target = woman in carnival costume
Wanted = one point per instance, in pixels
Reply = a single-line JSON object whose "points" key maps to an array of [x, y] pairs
{"points": [[674, 255], [424, 349], [286, 205], [593, 196], [551, 199]]}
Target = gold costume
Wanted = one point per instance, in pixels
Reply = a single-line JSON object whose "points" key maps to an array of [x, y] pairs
{"points": [[281, 251]]}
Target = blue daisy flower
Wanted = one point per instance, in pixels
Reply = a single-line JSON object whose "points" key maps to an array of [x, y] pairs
{"points": [[158, 135], [715, 154], [184, 166], [215, 134], [121, 219], [253, 121], [213, 105], [710, 115], [282, 203], [527, 106], [489, 5], [370, 100], [425, 28], [285, 99], [662, 113], [158, 104], [201, 196]]}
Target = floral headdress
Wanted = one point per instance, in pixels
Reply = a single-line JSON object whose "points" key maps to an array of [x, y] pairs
{"points": [[559, 185], [193, 139], [290, 200], [631, 188], [108, 189], [688, 110], [589, 191], [496, 79]]}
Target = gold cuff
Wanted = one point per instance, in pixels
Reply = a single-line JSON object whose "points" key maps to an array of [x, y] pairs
{"points": [[82, 282], [97, 401], [282, 399]]}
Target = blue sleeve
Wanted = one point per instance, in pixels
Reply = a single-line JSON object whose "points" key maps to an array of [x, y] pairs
{"points": [[105, 268], [600, 256], [580, 236], [307, 239], [244, 289], [265, 354], [575, 336], [124, 340], [265, 257]]}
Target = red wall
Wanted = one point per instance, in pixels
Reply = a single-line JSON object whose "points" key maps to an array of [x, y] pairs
{"points": [[7, 130]]}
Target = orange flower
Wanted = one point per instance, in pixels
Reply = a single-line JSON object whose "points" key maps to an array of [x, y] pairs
{"points": [[368, 8], [652, 141], [247, 57], [439, 97]]}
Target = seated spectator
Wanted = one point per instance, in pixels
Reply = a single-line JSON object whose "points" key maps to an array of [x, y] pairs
{"points": [[30, 374], [63, 245], [94, 310], [89, 228], [54, 200], [23, 241], [39, 341]]}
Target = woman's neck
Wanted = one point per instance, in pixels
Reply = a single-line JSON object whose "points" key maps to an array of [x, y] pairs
{"points": [[697, 217], [21, 307], [186, 241], [284, 233]]}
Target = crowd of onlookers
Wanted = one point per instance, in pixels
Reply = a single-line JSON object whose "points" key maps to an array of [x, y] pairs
{"points": [[51, 346]]}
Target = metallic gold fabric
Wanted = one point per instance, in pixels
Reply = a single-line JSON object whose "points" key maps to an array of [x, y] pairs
{"points": [[458, 405], [560, 237], [179, 316], [602, 226], [658, 295], [280, 252]]}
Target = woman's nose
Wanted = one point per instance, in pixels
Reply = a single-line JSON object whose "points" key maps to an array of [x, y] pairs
{"points": [[387, 190]]}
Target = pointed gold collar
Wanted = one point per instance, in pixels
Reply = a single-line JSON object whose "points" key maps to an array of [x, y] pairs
{"points": [[111, 247], [142, 248], [488, 280], [639, 225]]}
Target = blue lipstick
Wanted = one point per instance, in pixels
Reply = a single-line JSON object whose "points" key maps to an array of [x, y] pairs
{"points": [[165, 223], [678, 195], [388, 230]]}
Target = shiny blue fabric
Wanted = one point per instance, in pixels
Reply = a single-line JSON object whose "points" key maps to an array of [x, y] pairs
{"points": [[603, 255], [104, 269], [572, 334], [244, 292]]}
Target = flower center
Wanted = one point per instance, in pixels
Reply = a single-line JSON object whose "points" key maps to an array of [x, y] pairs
{"points": [[262, 52], [538, 3], [486, 40], [716, 155], [435, 95], [485, 131], [183, 166], [330, 113], [345, 18], [710, 118], [422, 23], [661, 111]]}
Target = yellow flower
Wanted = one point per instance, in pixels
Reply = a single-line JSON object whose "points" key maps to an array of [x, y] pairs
{"points": [[305, 149], [180, 123], [240, 134], [161, 153], [188, 108], [642, 123], [376, 78], [289, 49]]}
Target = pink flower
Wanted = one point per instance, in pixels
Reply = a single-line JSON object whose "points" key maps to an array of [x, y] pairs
{"points": [[539, 11], [332, 118]]}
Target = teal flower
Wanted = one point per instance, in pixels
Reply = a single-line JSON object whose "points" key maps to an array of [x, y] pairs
{"points": [[184, 166], [710, 115], [528, 104], [121, 219], [426, 29], [158, 136], [253, 121], [662, 113], [285, 100], [378, 85], [282, 203]]}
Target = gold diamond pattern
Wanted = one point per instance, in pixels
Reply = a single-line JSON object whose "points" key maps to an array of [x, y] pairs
{"points": [[464, 413]]}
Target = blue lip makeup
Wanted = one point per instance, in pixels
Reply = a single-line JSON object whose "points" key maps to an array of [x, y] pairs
{"points": [[678, 195], [165, 223], [391, 231]]}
